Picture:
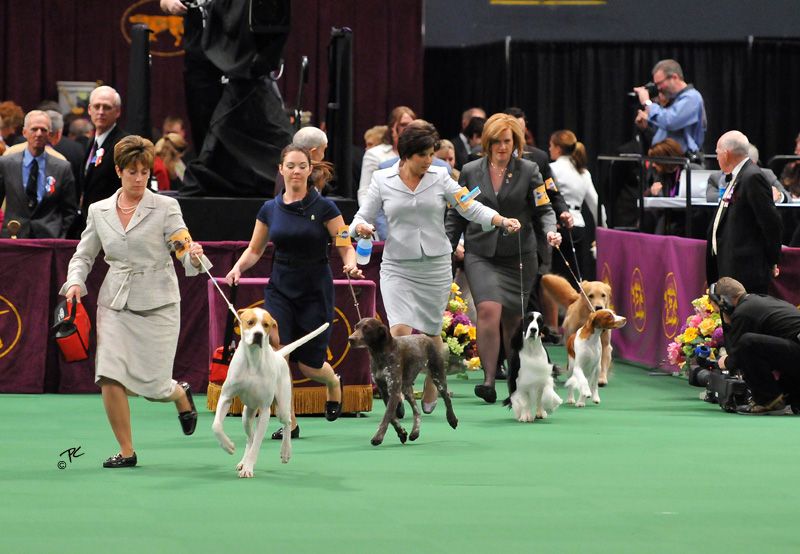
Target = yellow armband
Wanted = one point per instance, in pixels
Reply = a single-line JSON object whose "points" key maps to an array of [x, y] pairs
{"points": [[540, 196], [180, 242], [343, 236]]}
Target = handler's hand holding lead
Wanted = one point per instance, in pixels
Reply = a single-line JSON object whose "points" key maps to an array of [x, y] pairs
{"points": [[554, 238], [232, 278], [512, 225], [352, 271], [195, 253]]}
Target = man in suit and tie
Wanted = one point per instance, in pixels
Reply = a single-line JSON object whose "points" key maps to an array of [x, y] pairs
{"points": [[463, 143], [100, 180], [39, 189], [744, 240]]}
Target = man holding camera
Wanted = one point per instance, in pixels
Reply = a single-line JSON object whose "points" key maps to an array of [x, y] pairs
{"points": [[683, 118], [762, 339]]}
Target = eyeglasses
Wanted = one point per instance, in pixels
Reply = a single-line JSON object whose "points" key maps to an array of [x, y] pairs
{"points": [[665, 79]]}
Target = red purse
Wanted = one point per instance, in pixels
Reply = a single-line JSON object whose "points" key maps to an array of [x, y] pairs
{"points": [[72, 327], [221, 360]]}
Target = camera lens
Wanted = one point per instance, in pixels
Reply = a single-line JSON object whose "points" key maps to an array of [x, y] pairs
{"points": [[699, 377]]}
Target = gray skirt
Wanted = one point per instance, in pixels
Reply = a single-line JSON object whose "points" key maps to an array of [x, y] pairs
{"points": [[415, 292], [498, 279], [137, 349]]}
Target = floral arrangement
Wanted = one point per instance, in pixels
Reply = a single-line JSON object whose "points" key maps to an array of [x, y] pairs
{"points": [[458, 333], [703, 328]]}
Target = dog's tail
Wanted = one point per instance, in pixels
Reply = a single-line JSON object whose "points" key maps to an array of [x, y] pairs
{"points": [[560, 289], [291, 347]]}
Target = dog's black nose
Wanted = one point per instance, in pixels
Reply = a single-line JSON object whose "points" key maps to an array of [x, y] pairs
{"points": [[596, 308], [258, 338]]}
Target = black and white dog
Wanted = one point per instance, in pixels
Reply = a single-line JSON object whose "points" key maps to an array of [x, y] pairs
{"points": [[530, 374]]}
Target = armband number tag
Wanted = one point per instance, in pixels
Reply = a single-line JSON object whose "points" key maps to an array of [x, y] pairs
{"points": [[180, 242], [540, 196]]}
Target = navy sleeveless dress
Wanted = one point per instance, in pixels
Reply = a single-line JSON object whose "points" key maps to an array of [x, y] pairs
{"points": [[299, 294]]}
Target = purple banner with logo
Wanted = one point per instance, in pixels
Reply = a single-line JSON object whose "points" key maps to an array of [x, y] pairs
{"points": [[654, 279]]}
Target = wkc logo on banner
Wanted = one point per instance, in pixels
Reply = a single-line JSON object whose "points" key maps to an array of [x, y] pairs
{"points": [[638, 310], [10, 326], [669, 314]]}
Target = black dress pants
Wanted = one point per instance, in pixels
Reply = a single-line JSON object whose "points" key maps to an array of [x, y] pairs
{"points": [[760, 356]]}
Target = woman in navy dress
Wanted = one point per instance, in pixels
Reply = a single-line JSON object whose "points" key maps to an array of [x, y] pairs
{"points": [[300, 222]]}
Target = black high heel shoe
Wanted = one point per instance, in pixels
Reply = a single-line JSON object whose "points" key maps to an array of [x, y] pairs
{"points": [[188, 419], [334, 409], [118, 460], [278, 435], [486, 392]]}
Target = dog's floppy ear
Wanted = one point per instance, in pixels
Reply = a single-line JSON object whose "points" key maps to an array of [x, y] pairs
{"points": [[274, 335]]}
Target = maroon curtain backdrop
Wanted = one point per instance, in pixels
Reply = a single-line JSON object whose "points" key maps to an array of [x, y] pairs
{"points": [[44, 41]]}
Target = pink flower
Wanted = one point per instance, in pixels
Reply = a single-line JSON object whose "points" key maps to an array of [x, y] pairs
{"points": [[674, 353], [696, 320]]}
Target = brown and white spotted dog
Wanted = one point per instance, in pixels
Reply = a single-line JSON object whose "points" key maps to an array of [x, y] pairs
{"points": [[584, 349], [395, 362]]}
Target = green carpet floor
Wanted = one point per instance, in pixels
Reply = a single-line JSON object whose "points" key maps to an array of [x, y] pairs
{"points": [[652, 469]]}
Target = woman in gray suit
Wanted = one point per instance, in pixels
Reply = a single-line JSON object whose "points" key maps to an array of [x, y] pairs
{"points": [[138, 306], [492, 260], [416, 267]]}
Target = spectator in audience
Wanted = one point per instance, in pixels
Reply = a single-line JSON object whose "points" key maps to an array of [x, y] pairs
{"points": [[683, 119], [138, 305], [2, 142], [81, 131], [300, 295], [744, 240], [513, 185], [462, 141], [175, 124], [762, 339], [374, 136], [168, 165], [474, 132], [399, 118], [447, 153], [416, 271], [71, 150], [12, 116], [100, 179], [575, 185], [39, 189], [779, 193]]}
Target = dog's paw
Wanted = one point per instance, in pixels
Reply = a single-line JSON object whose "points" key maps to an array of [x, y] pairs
{"points": [[580, 403], [246, 472], [596, 399], [226, 444], [286, 453], [413, 436], [525, 418], [452, 420], [402, 435], [376, 440], [541, 414]]}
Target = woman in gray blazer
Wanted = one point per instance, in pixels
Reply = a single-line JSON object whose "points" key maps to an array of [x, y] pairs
{"points": [[138, 306], [416, 268], [491, 259]]}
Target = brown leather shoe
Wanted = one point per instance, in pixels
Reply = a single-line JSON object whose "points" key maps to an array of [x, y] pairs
{"points": [[775, 407]]}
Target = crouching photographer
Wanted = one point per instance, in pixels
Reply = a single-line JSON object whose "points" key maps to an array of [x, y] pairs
{"points": [[762, 338]]}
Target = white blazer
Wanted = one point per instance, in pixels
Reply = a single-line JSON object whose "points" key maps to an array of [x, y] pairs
{"points": [[141, 274], [416, 218]]}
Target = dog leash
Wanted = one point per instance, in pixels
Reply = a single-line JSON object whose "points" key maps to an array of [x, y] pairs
{"points": [[222, 294], [580, 288], [353, 294], [574, 254]]}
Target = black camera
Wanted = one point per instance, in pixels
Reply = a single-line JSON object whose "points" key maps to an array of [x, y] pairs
{"points": [[726, 389]]}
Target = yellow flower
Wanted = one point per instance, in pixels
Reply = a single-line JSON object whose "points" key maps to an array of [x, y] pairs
{"points": [[454, 289], [474, 364], [460, 329], [690, 334], [707, 326], [472, 333]]}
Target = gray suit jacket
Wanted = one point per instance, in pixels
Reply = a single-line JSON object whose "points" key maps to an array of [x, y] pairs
{"points": [[415, 218], [55, 212], [141, 274], [517, 198]]}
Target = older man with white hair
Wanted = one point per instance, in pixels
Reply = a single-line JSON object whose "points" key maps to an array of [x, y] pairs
{"points": [[744, 240], [315, 141]]}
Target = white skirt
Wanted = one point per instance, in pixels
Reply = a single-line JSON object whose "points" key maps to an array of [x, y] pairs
{"points": [[137, 349], [415, 292]]}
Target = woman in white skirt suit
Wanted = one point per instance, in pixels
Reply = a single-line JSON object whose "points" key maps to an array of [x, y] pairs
{"points": [[416, 270], [138, 306]]}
